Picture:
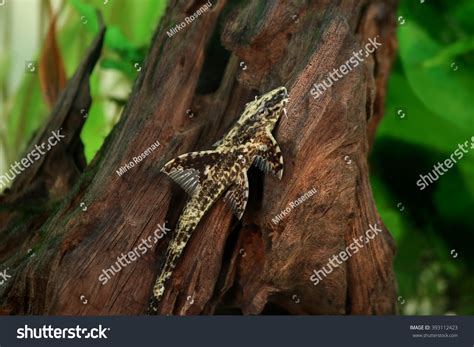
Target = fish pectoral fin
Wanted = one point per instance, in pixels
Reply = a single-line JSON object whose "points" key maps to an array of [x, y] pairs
{"points": [[188, 179], [269, 157], [238, 195], [189, 169]]}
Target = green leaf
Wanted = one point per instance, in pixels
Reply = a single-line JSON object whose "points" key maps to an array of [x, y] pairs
{"points": [[116, 40], [420, 126], [448, 54], [443, 91], [119, 65], [88, 15]]}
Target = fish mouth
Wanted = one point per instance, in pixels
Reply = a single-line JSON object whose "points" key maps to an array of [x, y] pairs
{"points": [[285, 93]]}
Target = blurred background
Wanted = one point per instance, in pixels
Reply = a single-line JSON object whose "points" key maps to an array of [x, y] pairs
{"points": [[428, 113], [24, 27]]}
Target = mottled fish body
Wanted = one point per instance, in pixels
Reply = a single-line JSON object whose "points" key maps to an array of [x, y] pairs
{"points": [[207, 175]]}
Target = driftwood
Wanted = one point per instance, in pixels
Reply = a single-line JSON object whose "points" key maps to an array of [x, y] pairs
{"points": [[186, 97]]}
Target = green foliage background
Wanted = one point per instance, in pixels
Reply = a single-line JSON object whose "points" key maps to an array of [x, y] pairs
{"points": [[431, 86], [125, 45]]}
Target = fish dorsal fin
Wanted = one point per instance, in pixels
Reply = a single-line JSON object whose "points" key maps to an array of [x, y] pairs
{"points": [[238, 195], [188, 170]]}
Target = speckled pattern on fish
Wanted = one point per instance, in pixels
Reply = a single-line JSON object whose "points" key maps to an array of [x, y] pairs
{"points": [[207, 175]]}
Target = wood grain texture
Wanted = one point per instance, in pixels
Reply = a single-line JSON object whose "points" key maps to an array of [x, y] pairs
{"points": [[251, 267]]}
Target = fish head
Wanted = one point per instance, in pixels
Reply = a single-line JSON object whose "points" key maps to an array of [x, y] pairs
{"points": [[266, 109]]}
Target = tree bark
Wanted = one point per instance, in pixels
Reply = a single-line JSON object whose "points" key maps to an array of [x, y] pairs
{"points": [[254, 266]]}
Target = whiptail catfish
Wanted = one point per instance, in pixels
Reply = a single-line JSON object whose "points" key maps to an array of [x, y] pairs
{"points": [[207, 175]]}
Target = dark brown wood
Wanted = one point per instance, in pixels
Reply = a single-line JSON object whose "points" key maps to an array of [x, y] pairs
{"points": [[251, 267]]}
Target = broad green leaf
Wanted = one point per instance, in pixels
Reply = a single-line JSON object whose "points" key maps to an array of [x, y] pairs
{"points": [[445, 92], [419, 124]]}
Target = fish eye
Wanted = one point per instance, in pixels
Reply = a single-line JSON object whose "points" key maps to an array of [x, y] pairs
{"points": [[262, 110]]}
